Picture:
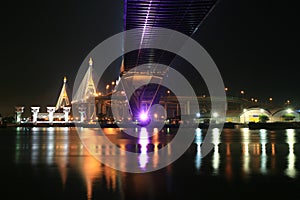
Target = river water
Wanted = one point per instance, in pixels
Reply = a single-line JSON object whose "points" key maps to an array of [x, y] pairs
{"points": [[52, 163]]}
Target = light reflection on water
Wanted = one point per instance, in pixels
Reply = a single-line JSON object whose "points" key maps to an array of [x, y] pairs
{"points": [[143, 141], [263, 142], [291, 158], [245, 135], [216, 155], [236, 152], [198, 141]]}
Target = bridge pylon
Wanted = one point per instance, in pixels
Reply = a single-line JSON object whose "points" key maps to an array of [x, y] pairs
{"points": [[86, 93]]}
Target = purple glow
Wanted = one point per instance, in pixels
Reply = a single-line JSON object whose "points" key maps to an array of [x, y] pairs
{"points": [[144, 116]]}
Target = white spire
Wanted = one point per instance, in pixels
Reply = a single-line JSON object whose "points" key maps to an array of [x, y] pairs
{"points": [[122, 68], [91, 62], [87, 87]]}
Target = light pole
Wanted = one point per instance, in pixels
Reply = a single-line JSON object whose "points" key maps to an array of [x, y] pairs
{"points": [[244, 110], [270, 100], [112, 85], [215, 116], [107, 87], [242, 92]]}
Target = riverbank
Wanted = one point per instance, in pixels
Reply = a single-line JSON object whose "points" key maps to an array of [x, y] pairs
{"points": [[226, 125], [274, 125], [114, 125]]}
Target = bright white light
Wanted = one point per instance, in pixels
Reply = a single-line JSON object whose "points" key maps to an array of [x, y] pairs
{"points": [[263, 131], [215, 114], [144, 116], [291, 158], [289, 110], [261, 110], [143, 141], [198, 115]]}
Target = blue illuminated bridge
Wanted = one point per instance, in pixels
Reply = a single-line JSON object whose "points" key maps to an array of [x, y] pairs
{"points": [[184, 16]]}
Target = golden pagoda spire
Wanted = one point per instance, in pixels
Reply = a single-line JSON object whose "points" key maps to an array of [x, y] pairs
{"points": [[63, 99]]}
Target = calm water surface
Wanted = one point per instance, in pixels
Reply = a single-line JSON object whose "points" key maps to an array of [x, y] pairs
{"points": [[52, 163]]}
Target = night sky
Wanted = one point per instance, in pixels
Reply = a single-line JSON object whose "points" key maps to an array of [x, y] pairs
{"points": [[254, 44]]}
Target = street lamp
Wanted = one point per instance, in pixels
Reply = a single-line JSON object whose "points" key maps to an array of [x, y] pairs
{"points": [[289, 111], [242, 94], [107, 87], [155, 116], [244, 110], [270, 99], [215, 115]]}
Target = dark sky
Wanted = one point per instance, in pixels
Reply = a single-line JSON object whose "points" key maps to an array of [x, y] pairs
{"points": [[253, 42]]}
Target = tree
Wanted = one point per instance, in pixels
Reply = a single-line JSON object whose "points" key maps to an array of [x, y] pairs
{"points": [[263, 118], [288, 117]]}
